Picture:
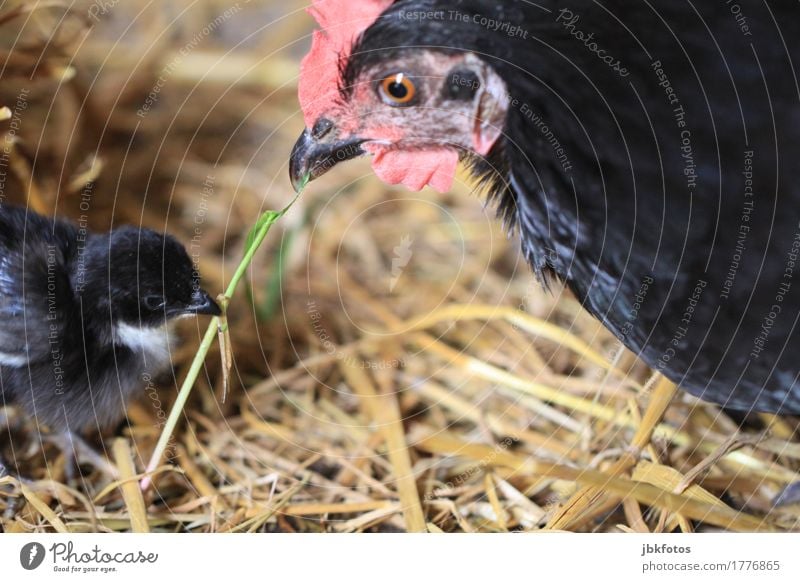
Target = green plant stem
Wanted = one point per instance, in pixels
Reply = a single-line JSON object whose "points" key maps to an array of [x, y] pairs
{"points": [[254, 240]]}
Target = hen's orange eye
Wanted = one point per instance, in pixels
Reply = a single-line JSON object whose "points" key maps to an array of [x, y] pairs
{"points": [[398, 89]]}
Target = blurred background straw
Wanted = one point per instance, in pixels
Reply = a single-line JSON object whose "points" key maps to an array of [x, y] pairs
{"points": [[395, 365]]}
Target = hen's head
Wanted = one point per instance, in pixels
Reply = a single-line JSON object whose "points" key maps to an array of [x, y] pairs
{"points": [[416, 109]]}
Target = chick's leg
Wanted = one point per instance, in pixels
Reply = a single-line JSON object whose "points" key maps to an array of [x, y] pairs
{"points": [[77, 451], [10, 477], [9, 488]]}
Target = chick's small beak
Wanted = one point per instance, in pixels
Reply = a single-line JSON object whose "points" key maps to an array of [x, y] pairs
{"points": [[203, 304], [315, 153]]}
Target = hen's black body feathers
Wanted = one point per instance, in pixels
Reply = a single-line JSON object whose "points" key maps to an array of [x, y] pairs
{"points": [[657, 178]]}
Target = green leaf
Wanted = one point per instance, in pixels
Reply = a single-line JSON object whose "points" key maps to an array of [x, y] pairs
{"points": [[254, 239]]}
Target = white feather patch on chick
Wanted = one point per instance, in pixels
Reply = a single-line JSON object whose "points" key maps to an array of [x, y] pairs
{"points": [[14, 360], [153, 342]]}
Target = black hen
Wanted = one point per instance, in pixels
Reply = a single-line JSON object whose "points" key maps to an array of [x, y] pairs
{"points": [[646, 153]]}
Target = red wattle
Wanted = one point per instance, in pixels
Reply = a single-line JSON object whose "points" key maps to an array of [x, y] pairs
{"points": [[415, 169]]}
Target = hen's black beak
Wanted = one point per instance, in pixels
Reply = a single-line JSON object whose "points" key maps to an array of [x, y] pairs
{"points": [[313, 155], [203, 304]]}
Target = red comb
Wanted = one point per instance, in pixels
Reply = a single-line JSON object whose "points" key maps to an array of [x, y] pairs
{"points": [[342, 21]]}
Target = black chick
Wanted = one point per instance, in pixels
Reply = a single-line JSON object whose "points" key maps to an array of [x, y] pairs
{"points": [[85, 316], [646, 152]]}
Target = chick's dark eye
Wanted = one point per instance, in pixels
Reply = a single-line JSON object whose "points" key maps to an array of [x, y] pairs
{"points": [[398, 89], [154, 302]]}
